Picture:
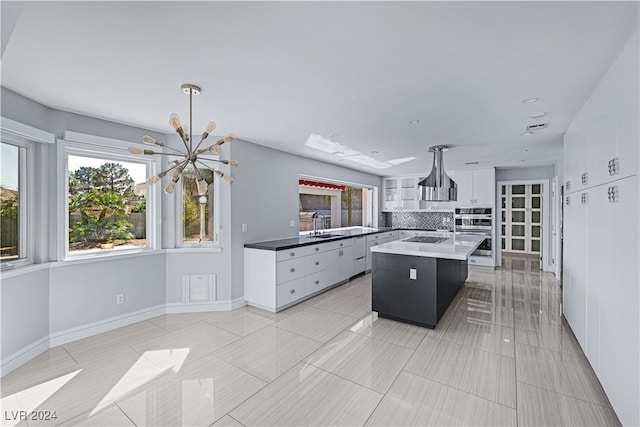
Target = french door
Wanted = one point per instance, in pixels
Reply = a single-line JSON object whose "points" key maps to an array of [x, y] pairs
{"points": [[521, 214]]}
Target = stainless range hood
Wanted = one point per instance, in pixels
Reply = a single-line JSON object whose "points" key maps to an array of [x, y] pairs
{"points": [[438, 187]]}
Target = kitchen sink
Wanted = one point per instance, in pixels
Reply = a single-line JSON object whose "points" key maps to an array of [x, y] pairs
{"points": [[324, 236]]}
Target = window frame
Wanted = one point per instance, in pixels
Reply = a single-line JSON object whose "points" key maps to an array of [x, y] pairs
{"points": [[179, 228], [75, 144], [26, 197]]}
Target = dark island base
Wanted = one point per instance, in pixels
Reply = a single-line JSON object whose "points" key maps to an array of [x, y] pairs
{"points": [[422, 301]]}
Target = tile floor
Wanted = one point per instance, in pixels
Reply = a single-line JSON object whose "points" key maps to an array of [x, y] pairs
{"points": [[501, 355]]}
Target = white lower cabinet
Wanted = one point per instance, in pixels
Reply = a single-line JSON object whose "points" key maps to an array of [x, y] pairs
{"points": [[276, 279], [288, 292], [340, 259], [359, 252], [378, 239]]}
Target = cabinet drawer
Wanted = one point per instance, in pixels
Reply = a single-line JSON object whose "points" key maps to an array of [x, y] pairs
{"points": [[287, 293], [315, 263], [287, 254], [374, 237], [359, 265], [316, 249], [315, 282], [338, 244], [290, 270], [390, 235]]}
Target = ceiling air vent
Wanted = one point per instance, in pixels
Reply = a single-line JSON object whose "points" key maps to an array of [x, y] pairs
{"points": [[471, 163], [537, 126]]}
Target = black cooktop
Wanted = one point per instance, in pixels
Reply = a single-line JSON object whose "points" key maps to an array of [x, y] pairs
{"points": [[426, 239]]}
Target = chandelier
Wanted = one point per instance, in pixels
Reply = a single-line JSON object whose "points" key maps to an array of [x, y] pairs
{"points": [[193, 156]]}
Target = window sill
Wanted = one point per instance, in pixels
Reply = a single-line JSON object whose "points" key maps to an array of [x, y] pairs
{"points": [[88, 258], [194, 249], [19, 270]]}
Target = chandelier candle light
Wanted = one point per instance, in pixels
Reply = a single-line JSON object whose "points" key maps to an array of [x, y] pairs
{"points": [[193, 156]]}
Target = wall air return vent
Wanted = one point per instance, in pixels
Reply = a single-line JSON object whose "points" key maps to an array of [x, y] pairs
{"points": [[537, 126]]}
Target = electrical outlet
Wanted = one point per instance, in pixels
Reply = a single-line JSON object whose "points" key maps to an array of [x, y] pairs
{"points": [[120, 299], [244, 228], [292, 223], [413, 274]]}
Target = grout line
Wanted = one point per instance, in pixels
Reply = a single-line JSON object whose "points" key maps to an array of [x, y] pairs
{"points": [[125, 414], [567, 395], [67, 351], [393, 383]]}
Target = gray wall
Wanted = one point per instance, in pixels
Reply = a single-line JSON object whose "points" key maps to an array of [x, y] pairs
{"points": [[265, 197], [523, 174], [84, 292], [25, 310], [74, 294]]}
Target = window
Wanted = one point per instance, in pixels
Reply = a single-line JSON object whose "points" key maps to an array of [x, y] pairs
{"points": [[13, 203], [336, 204], [109, 206], [198, 223]]}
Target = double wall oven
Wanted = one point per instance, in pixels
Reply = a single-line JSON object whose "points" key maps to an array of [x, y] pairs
{"points": [[477, 221]]}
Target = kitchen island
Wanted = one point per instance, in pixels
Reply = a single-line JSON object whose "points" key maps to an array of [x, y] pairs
{"points": [[416, 279]]}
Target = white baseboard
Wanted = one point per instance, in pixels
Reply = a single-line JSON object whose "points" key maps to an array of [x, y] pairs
{"points": [[84, 331], [173, 308], [27, 353], [23, 355]]}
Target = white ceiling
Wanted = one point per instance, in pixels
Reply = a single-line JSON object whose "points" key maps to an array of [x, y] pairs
{"points": [[275, 72]]}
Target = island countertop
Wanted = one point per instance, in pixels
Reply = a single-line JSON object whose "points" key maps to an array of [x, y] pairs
{"points": [[457, 246]]}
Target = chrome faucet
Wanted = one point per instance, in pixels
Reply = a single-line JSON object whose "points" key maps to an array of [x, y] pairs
{"points": [[314, 217]]}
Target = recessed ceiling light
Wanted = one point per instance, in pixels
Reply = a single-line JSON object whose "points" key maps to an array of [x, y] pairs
{"points": [[414, 122], [526, 133], [530, 100], [537, 115]]}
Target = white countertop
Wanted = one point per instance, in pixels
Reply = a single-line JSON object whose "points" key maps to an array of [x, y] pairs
{"points": [[458, 246]]}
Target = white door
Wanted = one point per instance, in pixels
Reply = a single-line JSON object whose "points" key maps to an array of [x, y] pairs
{"points": [[521, 218]]}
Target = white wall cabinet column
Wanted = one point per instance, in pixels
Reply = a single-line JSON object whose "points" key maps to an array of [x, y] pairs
{"points": [[601, 296]]}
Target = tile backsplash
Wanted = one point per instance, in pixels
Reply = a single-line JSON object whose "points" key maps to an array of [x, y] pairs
{"points": [[424, 220]]}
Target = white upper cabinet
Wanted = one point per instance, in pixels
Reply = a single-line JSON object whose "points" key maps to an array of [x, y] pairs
{"points": [[601, 145], [400, 193], [476, 187]]}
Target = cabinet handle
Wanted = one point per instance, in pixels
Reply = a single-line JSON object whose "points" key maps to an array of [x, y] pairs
{"points": [[567, 185], [567, 200], [292, 291], [317, 282], [341, 244], [614, 166], [317, 262], [612, 194], [292, 254], [317, 249], [340, 253], [584, 198], [292, 269], [584, 178]]}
